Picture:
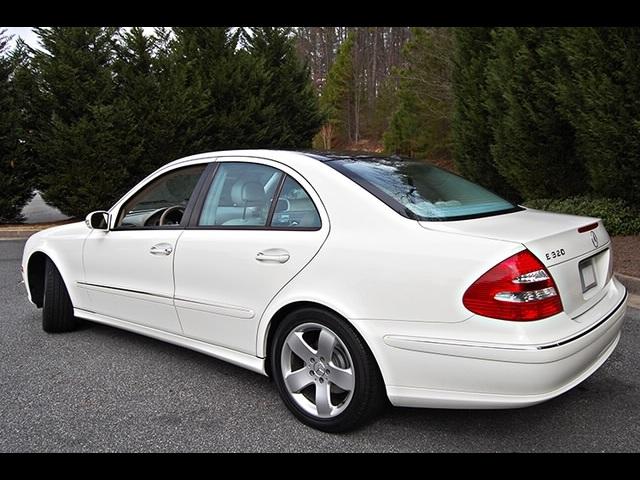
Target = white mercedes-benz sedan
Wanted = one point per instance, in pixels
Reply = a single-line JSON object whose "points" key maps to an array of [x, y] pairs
{"points": [[351, 280]]}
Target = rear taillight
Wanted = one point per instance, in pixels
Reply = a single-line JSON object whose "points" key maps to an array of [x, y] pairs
{"points": [[519, 288]]}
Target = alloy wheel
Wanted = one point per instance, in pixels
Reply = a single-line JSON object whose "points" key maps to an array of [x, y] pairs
{"points": [[317, 370]]}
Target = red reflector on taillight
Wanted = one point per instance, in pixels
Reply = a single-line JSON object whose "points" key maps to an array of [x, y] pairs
{"points": [[519, 288], [586, 228]]}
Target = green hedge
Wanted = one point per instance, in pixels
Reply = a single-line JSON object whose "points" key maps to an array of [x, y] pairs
{"points": [[551, 112], [618, 216]]}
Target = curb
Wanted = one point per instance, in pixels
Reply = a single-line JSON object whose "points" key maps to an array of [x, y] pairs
{"points": [[632, 283], [22, 232]]}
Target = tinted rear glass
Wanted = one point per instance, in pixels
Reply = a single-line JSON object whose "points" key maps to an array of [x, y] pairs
{"points": [[421, 191]]}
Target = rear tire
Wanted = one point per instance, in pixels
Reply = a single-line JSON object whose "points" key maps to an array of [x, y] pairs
{"points": [[332, 394], [57, 310]]}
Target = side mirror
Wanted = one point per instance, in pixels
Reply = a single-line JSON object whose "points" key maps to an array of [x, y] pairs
{"points": [[98, 220]]}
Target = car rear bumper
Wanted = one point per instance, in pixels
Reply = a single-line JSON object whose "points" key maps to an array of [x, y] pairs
{"points": [[424, 397], [442, 373]]}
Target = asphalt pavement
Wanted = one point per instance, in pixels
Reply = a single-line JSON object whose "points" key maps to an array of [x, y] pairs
{"points": [[103, 389]]}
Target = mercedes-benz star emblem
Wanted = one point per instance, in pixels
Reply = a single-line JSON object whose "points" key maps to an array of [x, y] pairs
{"points": [[594, 239]]}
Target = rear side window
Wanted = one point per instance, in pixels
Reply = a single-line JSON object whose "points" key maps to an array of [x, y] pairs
{"points": [[421, 191], [253, 195], [240, 195], [294, 208]]}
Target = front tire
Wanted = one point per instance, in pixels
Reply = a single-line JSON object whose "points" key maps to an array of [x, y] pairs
{"points": [[324, 372], [57, 310]]}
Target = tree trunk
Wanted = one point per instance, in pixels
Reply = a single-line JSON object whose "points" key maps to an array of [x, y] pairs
{"points": [[373, 84]]}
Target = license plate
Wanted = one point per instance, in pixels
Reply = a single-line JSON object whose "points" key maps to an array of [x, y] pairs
{"points": [[587, 274]]}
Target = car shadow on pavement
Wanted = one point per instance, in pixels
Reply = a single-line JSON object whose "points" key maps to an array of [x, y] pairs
{"points": [[135, 343]]}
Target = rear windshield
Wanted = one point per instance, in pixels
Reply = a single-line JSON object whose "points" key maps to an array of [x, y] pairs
{"points": [[421, 191]]}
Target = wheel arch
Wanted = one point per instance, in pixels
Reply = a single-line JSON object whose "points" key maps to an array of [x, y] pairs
{"points": [[292, 306], [35, 276]]}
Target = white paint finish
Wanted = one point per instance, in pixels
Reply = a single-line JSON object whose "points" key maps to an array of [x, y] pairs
{"points": [[512, 342], [567, 278], [495, 371], [218, 308], [503, 352], [555, 240], [249, 362], [122, 260], [378, 264], [402, 273], [221, 266], [389, 276], [475, 328], [541, 232], [432, 398], [63, 245]]}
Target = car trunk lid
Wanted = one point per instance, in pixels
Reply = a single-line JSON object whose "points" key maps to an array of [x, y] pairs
{"points": [[575, 251]]}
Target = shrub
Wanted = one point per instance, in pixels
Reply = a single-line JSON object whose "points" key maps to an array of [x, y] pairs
{"points": [[599, 95], [533, 143], [618, 216]]}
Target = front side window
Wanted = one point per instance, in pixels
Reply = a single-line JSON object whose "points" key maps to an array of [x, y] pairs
{"points": [[162, 202], [422, 191], [240, 195]]}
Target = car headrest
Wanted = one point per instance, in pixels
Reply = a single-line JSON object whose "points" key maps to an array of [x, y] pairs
{"points": [[247, 193]]}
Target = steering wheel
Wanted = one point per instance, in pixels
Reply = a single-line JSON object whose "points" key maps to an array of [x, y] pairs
{"points": [[166, 215]]}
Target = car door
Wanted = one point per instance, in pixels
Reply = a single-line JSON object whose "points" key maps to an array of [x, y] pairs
{"points": [[255, 227], [129, 268]]}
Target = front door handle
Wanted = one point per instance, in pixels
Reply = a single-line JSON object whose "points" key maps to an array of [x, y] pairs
{"points": [[275, 255], [161, 249]]}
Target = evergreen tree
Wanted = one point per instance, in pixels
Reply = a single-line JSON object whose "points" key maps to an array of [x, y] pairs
{"points": [[290, 107], [224, 89], [533, 143], [598, 91], [175, 100], [15, 172], [84, 146], [386, 104], [471, 129], [138, 92], [27, 98], [338, 95], [421, 125]]}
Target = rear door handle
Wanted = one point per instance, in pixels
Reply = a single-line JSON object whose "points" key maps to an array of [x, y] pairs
{"points": [[274, 255], [161, 249]]}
